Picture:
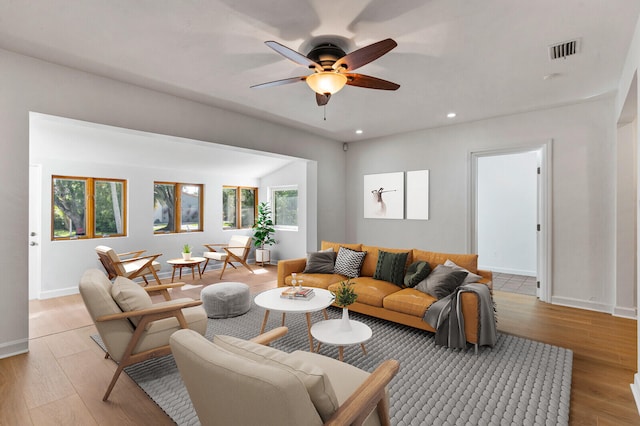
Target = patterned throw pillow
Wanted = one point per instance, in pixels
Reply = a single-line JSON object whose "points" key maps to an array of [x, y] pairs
{"points": [[349, 262], [471, 277], [390, 267]]}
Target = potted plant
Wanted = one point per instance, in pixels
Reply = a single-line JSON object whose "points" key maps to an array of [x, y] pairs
{"points": [[345, 296], [262, 235], [186, 252]]}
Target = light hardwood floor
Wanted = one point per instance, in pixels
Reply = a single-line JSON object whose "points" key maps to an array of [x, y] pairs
{"points": [[62, 378]]}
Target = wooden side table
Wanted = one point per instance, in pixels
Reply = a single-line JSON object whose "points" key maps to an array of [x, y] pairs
{"points": [[181, 263]]}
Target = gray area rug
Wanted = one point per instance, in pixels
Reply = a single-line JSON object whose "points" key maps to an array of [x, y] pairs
{"points": [[518, 382]]}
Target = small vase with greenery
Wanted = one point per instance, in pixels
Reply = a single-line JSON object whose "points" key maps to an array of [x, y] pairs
{"points": [[186, 252], [345, 296], [263, 230]]}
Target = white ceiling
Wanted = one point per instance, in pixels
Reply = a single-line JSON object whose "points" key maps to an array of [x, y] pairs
{"points": [[478, 58]]}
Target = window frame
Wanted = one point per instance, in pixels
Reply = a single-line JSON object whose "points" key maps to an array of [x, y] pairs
{"points": [[177, 207], [274, 189], [238, 190], [89, 208]]}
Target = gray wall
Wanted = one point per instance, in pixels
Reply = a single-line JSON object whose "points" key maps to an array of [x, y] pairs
{"points": [[583, 184], [33, 85]]}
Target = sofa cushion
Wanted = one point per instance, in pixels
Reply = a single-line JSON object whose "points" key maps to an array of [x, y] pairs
{"points": [[371, 261], [130, 296], [391, 267], [409, 301], [470, 278], [441, 282], [336, 246], [467, 261], [314, 378], [349, 262], [320, 262], [369, 290], [416, 272]]}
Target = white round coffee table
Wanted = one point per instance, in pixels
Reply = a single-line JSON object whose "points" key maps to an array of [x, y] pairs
{"points": [[271, 301], [330, 333]]}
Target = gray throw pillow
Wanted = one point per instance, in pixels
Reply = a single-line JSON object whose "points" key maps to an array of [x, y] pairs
{"points": [[390, 267], [320, 262], [416, 272], [470, 278], [441, 282], [349, 262]]}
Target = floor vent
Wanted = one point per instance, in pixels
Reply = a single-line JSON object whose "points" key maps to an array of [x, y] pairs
{"points": [[562, 50]]}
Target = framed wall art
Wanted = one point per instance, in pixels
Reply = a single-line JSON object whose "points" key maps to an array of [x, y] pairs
{"points": [[418, 195], [384, 196]]}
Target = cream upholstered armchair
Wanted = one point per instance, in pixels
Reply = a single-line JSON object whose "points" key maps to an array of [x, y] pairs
{"points": [[132, 328], [237, 250], [129, 265], [235, 381]]}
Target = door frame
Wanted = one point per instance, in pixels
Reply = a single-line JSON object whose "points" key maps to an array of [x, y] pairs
{"points": [[544, 235], [35, 231]]}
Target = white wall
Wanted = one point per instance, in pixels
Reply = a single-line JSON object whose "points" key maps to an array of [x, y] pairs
{"points": [[34, 85], [290, 243], [583, 189], [507, 213]]}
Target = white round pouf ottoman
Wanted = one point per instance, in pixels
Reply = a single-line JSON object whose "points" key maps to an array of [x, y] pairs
{"points": [[224, 300]]}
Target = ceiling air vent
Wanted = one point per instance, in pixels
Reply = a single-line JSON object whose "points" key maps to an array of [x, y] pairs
{"points": [[562, 50]]}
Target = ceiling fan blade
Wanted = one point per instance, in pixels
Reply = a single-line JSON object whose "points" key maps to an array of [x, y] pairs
{"points": [[294, 56], [279, 82], [366, 81], [363, 56], [322, 99]]}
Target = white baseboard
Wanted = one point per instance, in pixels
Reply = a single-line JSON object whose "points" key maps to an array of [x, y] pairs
{"points": [[15, 347], [581, 304], [635, 390], [507, 270], [631, 313], [58, 293]]}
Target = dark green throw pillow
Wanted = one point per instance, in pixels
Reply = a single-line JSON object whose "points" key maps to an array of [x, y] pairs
{"points": [[390, 267], [416, 272]]}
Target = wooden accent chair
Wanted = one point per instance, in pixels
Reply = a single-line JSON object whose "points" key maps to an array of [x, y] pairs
{"points": [[237, 250], [132, 328], [235, 381], [130, 264]]}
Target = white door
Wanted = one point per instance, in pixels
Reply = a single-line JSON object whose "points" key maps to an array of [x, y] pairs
{"points": [[35, 228]]}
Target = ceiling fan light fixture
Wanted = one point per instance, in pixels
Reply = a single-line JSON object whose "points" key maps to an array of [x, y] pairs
{"points": [[326, 82]]}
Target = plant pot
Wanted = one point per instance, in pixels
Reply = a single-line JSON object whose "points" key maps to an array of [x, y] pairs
{"points": [[263, 256], [345, 324], [186, 256]]}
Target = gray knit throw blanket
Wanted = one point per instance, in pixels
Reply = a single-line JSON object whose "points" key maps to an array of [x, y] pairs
{"points": [[445, 316]]}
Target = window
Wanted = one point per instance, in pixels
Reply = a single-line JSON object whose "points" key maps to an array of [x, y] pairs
{"points": [[85, 207], [177, 207], [238, 214], [284, 203]]}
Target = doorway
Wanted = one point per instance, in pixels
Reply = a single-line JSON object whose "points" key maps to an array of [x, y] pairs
{"points": [[510, 217]]}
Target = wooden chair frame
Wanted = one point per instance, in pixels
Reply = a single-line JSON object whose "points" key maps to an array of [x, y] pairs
{"points": [[146, 316], [231, 257], [111, 266]]}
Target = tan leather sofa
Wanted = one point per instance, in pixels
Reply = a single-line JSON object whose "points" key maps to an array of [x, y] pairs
{"points": [[385, 300]]}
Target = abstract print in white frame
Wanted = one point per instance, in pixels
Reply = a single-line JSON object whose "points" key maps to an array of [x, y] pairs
{"points": [[384, 196], [418, 195]]}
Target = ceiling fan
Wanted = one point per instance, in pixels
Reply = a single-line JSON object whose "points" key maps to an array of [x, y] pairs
{"points": [[333, 68]]}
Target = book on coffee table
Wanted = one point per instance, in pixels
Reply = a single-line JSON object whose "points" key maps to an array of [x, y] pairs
{"points": [[297, 293]]}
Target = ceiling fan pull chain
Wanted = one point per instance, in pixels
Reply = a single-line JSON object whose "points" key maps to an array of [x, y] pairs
{"points": [[325, 112]]}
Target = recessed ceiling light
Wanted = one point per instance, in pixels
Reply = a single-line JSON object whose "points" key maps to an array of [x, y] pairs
{"points": [[451, 115], [358, 132]]}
